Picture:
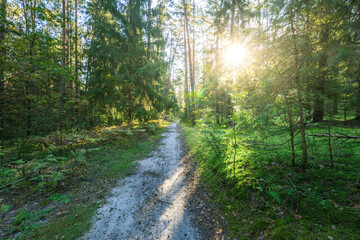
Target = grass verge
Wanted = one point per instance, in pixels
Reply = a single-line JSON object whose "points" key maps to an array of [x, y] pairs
{"points": [[65, 211], [262, 196]]}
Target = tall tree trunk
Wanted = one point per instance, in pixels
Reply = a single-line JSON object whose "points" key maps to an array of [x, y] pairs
{"points": [[228, 102], [186, 78], [232, 20], [148, 29], [172, 58], [68, 38], [193, 96], [203, 60], [358, 94], [29, 84], [190, 59], [169, 73], [291, 129], [320, 90], [2, 67], [76, 50], [307, 105], [217, 70], [259, 15], [301, 114], [318, 114], [193, 52], [358, 80], [63, 63], [335, 102]]}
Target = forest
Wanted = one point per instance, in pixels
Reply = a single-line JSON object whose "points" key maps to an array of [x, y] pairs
{"points": [[267, 93]]}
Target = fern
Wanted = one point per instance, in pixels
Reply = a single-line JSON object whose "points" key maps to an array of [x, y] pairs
{"points": [[275, 196]]}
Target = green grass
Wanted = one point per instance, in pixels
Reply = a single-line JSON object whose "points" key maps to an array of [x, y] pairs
{"points": [[109, 162], [262, 195], [70, 226], [103, 159]]}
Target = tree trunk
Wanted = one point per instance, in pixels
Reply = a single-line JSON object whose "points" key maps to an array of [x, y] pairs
{"points": [[148, 29], [335, 102], [2, 67], [203, 61], [193, 55], [193, 68], [217, 112], [63, 63], [68, 38], [229, 109], [320, 90], [186, 78], [291, 128], [172, 59], [232, 20], [76, 50], [307, 106], [357, 117], [190, 59], [301, 114], [358, 94], [308, 99], [29, 84]]}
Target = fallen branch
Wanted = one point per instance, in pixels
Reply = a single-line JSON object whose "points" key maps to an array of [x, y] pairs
{"points": [[4, 186], [335, 136]]}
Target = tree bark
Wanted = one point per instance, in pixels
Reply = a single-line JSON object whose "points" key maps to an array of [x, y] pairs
{"points": [[186, 78], [193, 67], [193, 96], [190, 59], [148, 29], [232, 20], [68, 38], [358, 81], [63, 63], [172, 58], [76, 50], [301, 114], [320, 90], [2, 66], [358, 95]]}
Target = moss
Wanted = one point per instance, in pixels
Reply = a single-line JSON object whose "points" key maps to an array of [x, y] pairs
{"points": [[259, 225], [70, 226], [282, 233]]}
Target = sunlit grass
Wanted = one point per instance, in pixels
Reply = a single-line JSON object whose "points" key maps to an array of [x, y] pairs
{"points": [[262, 195]]}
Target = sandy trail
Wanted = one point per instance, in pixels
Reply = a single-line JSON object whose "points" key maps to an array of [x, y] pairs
{"points": [[151, 203]]}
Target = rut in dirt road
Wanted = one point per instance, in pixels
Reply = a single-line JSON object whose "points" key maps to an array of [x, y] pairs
{"points": [[151, 203]]}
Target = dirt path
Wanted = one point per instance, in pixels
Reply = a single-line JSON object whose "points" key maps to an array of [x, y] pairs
{"points": [[153, 203]]}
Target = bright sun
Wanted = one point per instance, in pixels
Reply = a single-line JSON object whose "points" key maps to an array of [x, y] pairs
{"points": [[235, 54]]}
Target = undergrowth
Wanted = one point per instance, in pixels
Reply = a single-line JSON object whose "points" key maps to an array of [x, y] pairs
{"points": [[51, 190], [263, 196]]}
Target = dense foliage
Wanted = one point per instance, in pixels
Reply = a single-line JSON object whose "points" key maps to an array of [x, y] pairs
{"points": [[294, 64], [60, 73], [277, 135], [272, 86], [69, 69]]}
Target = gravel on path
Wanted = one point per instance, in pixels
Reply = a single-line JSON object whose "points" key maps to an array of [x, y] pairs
{"points": [[153, 202]]}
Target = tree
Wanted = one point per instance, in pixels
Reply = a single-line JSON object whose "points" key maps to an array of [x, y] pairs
{"points": [[191, 66], [298, 90], [3, 21]]}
